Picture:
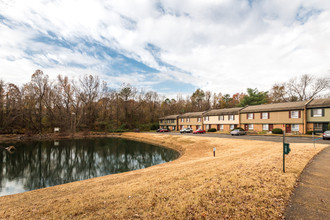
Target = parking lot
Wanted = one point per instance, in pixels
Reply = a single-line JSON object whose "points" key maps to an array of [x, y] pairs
{"points": [[288, 139]]}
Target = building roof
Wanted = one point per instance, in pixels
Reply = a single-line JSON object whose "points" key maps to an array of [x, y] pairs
{"points": [[315, 103], [225, 111], [191, 115], [170, 117], [275, 107]]}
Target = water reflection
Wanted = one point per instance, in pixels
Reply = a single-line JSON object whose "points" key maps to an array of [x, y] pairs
{"points": [[37, 165]]}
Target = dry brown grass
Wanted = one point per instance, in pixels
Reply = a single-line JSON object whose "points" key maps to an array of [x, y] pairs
{"points": [[243, 181]]}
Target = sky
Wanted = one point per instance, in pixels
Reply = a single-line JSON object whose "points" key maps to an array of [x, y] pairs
{"points": [[168, 46]]}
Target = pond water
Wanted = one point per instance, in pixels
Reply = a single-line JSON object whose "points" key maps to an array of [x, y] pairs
{"points": [[36, 165]]}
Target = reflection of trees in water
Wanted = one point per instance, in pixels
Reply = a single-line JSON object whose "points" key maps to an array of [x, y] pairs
{"points": [[41, 164]]}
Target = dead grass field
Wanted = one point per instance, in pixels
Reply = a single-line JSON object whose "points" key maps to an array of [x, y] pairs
{"points": [[243, 181]]}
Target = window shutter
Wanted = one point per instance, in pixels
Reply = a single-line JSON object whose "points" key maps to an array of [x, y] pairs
{"points": [[289, 114], [247, 115], [234, 117], [322, 112], [268, 115], [253, 115], [261, 115], [312, 112], [299, 114]]}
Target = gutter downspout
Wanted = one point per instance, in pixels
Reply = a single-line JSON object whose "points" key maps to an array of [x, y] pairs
{"points": [[305, 115]]}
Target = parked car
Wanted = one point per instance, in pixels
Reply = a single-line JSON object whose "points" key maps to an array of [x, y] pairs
{"points": [[186, 130], [237, 132], [326, 135], [164, 130], [158, 130], [199, 131]]}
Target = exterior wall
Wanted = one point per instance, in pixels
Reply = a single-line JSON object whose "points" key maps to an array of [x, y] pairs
{"points": [[274, 118], [258, 127], [214, 120], [325, 118], [193, 123], [168, 123], [310, 126]]}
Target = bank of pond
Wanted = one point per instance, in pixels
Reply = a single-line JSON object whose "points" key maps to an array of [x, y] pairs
{"points": [[41, 164]]}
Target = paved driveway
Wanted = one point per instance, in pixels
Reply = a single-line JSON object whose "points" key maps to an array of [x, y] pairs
{"points": [[258, 138]]}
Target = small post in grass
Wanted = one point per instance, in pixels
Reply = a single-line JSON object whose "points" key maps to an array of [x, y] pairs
{"points": [[214, 151], [286, 150]]}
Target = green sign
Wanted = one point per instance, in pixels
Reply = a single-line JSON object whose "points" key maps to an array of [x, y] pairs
{"points": [[286, 148]]}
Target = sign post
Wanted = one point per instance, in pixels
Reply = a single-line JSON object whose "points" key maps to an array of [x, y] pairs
{"points": [[286, 150], [214, 151]]}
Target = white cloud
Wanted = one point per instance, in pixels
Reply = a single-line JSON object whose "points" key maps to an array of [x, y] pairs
{"points": [[224, 46]]}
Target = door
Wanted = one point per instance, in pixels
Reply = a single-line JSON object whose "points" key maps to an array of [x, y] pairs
{"points": [[218, 127], [287, 128], [271, 127], [325, 127], [246, 127]]}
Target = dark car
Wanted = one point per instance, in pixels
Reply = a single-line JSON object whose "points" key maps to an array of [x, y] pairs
{"points": [[237, 132], [164, 130], [326, 135], [199, 131]]}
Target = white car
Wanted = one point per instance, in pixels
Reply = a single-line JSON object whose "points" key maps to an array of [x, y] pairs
{"points": [[186, 130]]}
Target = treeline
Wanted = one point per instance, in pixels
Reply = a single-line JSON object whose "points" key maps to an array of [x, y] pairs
{"points": [[90, 105]]}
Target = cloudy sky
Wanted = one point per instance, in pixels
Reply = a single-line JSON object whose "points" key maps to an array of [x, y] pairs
{"points": [[169, 46]]}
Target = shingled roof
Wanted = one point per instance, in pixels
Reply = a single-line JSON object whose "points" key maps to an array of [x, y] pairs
{"points": [[170, 117], [191, 115], [316, 103], [275, 107], [224, 111]]}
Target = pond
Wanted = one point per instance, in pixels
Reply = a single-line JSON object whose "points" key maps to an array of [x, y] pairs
{"points": [[36, 165]]}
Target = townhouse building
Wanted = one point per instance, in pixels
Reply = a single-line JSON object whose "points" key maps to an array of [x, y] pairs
{"points": [[192, 120], [318, 115], [221, 119], [169, 122], [288, 116]]}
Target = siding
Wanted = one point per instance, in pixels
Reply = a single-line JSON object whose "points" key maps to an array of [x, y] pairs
{"points": [[325, 118], [214, 120], [274, 118]]}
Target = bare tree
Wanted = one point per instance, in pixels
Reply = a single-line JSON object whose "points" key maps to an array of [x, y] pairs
{"points": [[300, 88]]}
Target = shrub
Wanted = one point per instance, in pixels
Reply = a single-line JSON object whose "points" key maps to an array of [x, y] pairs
{"points": [[212, 130], [277, 131], [154, 126], [310, 132]]}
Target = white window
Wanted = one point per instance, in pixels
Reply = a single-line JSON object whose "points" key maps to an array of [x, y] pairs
{"points": [[188, 119], [206, 118], [173, 128], [294, 114], [207, 127], [188, 126], [264, 115], [231, 117], [250, 116], [199, 126], [198, 119], [232, 127], [220, 118], [182, 119], [295, 127], [317, 112], [265, 127], [250, 126], [221, 127]]}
